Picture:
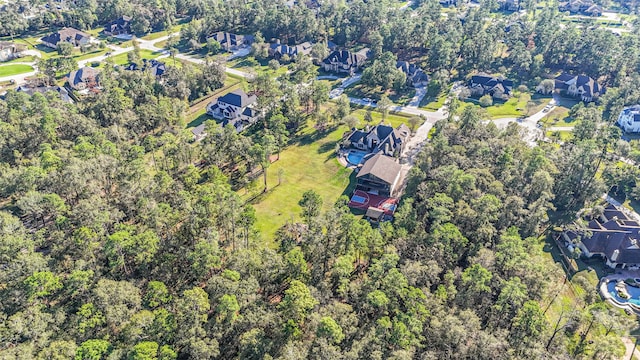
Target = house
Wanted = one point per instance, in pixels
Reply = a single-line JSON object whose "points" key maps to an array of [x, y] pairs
{"points": [[379, 175], [70, 35], [581, 86], [235, 108], [584, 7], [231, 42], [30, 90], [415, 75], [344, 61], [496, 86], [613, 236], [10, 50], [380, 138], [120, 26], [629, 119], [509, 5], [157, 68], [85, 78], [277, 50]]}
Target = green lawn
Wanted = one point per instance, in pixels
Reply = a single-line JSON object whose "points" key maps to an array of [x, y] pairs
{"points": [[515, 106], [560, 135], [358, 90], [559, 116], [88, 55], [430, 103], [14, 69], [392, 119], [249, 64], [155, 35], [121, 59], [24, 59], [309, 164]]}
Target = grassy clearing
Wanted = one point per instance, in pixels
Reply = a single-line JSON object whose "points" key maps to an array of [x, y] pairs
{"points": [[14, 69], [560, 135], [559, 116], [155, 35], [121, 59], [392, 119], [309, 164], [431, 103], [358, 90], [250, 64], [24, 59]]}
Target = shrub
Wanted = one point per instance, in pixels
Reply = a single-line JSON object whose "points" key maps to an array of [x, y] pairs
{"points": [[486, 100]]}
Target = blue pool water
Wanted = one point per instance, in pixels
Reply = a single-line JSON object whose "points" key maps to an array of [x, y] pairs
{"points": [[355, 157], [633, 291], [358, 199]]}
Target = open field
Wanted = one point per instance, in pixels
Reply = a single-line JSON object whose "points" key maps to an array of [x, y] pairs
{"points": [[309, 163], [14, 69]]}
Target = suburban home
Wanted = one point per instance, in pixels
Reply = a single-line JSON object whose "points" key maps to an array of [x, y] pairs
{"points": [[277, 50], [344, 61], [10, 50], [70, 35], [415, 75], [30, 90], [613, 236], [157, 68], [496, 86], [235, 108], [629, 119], [231, 42], [584, 7], [581, 86], [509, 5], [86, 78], [120, 26], [379, 139], [379, 175]]}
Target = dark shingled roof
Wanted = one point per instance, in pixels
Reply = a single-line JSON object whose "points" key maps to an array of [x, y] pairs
{"points": [[66, 34], [381, 166], [618, 238], [238, 98]]}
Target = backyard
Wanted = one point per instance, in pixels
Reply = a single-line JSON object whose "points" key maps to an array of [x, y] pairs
{"points": [[14, 69], [520, 104], [359, 90], [308, 164], [121, 59]]}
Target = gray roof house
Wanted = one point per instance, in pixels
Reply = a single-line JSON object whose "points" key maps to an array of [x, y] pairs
{"points": [[613, 236], [231, 42], [277, 50], [380, 138], [85, 78], [580, 86], [496, 86], [344, 61], [157, 68], [30, 90], [415, 75], [120, 26], [584, 7], [380, 174], [10, 50], [236, 108], [70, 35]]}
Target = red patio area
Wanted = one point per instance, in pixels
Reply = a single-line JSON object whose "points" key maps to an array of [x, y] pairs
{"points": [[363, 200]]}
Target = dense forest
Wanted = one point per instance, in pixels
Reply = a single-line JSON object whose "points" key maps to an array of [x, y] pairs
{"points": [[123, 238], [114, 245]]}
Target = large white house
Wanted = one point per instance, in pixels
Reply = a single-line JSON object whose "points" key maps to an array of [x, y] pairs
{"points": [[235, 108], [629, 119]]}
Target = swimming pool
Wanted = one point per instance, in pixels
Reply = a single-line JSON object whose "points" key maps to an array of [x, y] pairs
{"points": [[632, 290], [355, 157], [358, 199]]}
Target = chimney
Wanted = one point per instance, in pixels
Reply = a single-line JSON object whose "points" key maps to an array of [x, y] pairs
{"points": [[615, 254]]}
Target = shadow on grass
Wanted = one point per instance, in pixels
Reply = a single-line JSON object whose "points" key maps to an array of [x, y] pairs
{"points": [[199, 120], [329, 146], [315, 136]]}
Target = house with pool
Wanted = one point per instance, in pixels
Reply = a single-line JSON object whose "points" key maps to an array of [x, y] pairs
{"points": [[380, 138], [612, 236]]}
